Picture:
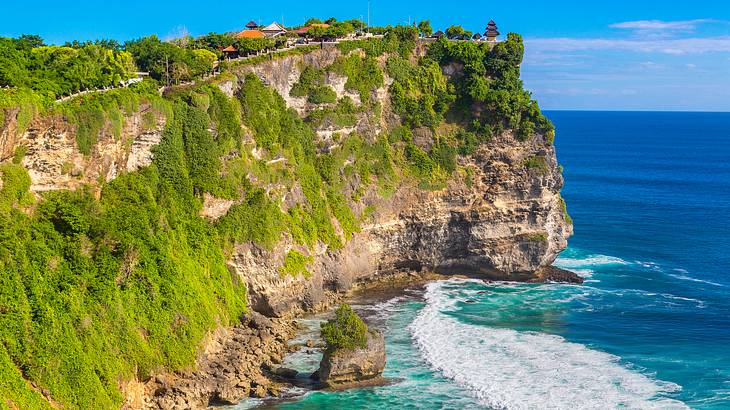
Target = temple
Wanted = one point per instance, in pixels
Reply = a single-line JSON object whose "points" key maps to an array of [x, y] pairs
{"points": [[491, 33]]}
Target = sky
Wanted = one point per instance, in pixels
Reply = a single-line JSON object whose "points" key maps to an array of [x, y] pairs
{"points": [[587, 55]]}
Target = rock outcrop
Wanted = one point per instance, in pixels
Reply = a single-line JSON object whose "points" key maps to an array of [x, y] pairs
{"points": [[344, 368], [54, 161], [503, 221], [234, 364]]}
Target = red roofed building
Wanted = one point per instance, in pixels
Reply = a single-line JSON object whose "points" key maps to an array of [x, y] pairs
{"points": [[304, 30], [229, 51], [250, 34]]}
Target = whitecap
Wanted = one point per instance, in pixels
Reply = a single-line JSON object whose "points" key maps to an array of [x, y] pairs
{"points": [[504, 368], [685, 277], [590, 260]]}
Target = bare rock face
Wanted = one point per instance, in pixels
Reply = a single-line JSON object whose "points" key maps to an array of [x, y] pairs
{"points": [[233, 365], [350, 367], [54, 161], [503, 221]]}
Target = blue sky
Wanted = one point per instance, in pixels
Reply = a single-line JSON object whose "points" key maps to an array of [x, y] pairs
{"points": [[610, 55]]}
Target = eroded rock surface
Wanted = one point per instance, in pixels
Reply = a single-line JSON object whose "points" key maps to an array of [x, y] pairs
{"points": [[350, 367], [235, 364], [503, 221]]}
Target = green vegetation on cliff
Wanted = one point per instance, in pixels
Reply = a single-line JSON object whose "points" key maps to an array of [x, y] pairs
{"points": [[93, 290], [110, 283], [53, 71]]}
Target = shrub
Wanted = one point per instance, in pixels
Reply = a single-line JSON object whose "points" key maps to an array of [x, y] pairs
{"points": [[310, 78], [564, 207], [537, 162], [345, 331], [322, 95], [295, 263], [363, 74]]}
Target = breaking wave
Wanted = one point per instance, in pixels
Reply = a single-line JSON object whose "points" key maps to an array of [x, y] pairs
{"points": [[509, 369]]}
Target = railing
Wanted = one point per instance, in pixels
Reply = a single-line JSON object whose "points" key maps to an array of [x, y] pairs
{"points": [[68, 97], [165, 88]]}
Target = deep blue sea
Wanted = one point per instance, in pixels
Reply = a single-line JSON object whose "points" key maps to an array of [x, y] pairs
{"points": [[649, 194]]}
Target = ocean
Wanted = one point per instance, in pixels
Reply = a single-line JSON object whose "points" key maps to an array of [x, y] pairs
{"points": [[649, 193]]}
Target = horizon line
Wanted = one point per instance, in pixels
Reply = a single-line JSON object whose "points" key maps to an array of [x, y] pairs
{"points": [[630, 110]]}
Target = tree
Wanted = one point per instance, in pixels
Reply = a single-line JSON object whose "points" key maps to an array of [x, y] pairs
{"points": [[204, 60], [330, 20], [345, 331], [313, 20], [31, 40], [13, 64], [338, 30], [357, 24], [317, 32], [424, 27], [457, 33]]}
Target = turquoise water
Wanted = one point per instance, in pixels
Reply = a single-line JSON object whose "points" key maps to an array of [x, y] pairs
{"points": [[650, 328]]}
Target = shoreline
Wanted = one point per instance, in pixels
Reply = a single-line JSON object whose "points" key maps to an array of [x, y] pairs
{"points": [[241, 362]]}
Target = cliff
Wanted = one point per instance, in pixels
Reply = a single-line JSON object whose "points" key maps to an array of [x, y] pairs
{"points": [[379, 163], [54, 161], [504, 220]]}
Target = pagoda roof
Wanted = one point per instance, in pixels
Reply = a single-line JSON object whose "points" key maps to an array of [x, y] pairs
{"points": [[251, 24], [229, 49]]}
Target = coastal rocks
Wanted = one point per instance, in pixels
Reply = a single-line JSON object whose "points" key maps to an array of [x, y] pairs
{"points": [[236, 363], [554, 274], [344, 368]]}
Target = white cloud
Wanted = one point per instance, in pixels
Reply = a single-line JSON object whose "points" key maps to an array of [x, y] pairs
{"points": [[650, 65], [661, 25], [676, 46]]}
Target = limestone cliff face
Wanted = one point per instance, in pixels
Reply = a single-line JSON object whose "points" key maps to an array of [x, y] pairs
{"points": [[54, 161], [282, 74], [504, 220], [507, 223]]}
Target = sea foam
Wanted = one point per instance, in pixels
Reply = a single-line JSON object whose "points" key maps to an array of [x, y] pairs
{"points": [[592, 260], [507, 369]]}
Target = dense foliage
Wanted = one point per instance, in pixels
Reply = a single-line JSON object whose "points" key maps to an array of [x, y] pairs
{"points": [[311, 85], [98, 287], [167, 62], [55, 71], [345, 331], [96, 290], [490, 80]]}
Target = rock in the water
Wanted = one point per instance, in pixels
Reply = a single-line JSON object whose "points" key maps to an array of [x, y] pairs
{"points": [[285, 372], [352, 366], [555, 274], [229, 395]]}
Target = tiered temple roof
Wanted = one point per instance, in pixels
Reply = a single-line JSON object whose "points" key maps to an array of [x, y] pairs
{"points": [[492, 31]]}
